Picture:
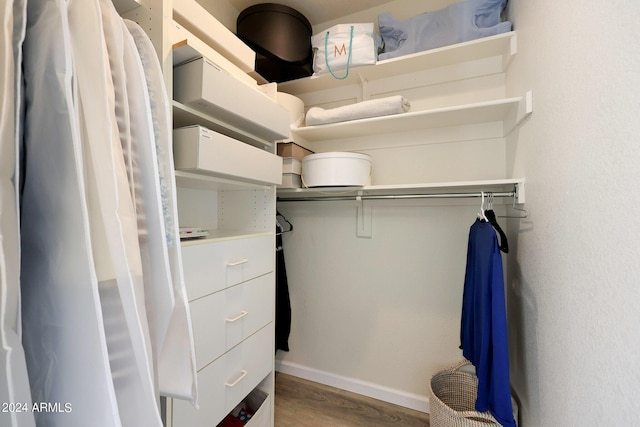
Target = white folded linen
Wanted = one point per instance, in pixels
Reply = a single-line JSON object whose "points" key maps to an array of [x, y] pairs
{"points": [[373, 108]]}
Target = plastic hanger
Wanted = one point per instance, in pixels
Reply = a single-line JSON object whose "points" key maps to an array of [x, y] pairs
{"points": [[280, 227], [481, 215], [491, 215]]}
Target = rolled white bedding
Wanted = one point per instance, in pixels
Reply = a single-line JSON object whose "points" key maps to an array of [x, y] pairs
{"points": [[373, 108]]}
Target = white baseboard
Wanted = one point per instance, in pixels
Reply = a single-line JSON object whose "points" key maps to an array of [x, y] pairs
{"points": [[376, 391]]}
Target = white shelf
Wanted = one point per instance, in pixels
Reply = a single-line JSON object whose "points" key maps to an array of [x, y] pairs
{"points": [[224, 235], [206, 182], [496, 185], [124, 6], [510, 111], [203, 25], [503, 45], [184, 115]]}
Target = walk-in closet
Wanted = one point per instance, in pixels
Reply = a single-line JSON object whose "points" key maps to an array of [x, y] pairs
{"points": [[319, 213]]}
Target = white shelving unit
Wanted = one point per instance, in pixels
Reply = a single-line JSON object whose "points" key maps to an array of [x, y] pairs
{"points": [[232, 270], [509, 111], [516, 186], [501, 45], [458, 62]]}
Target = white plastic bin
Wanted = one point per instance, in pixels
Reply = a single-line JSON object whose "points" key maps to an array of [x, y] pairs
{"points": [[336, 169]]}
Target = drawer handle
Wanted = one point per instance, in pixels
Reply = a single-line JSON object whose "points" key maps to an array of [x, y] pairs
{"points": [[239, 262], [242, 375], [238, 317]]}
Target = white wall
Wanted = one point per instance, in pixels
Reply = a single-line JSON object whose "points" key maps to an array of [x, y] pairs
{"points": [[379, 316], [573, 288]]}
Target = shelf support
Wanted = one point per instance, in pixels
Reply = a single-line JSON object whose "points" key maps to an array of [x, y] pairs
{"points": [[365, 91], [364, 216]]}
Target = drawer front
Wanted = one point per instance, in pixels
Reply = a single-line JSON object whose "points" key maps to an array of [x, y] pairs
{"points": [[224, 383], [211, 267], [199, 149], [223, 319]]}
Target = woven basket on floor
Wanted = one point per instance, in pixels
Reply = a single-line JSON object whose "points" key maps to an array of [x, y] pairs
{"points": [[453, 398]]}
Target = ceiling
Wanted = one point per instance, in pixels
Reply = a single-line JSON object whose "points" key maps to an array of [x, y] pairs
{"points": [[319, 11]]}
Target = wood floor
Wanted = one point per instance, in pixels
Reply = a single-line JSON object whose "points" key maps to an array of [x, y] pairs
{"points": [[301, 403]]}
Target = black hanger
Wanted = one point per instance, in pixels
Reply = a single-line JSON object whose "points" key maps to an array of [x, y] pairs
{"points": [[491, 216], [282, 230]]}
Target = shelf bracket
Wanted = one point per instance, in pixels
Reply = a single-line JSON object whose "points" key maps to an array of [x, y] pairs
{"points": [[365, 91], [524, 110], [520, 193], [364, 216]]}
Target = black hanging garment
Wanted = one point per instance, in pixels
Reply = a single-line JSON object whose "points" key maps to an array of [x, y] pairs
{"points": [[283, 304]]}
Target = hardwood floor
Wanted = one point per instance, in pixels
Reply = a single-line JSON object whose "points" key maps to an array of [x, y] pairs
{"points": [[302, 403]]}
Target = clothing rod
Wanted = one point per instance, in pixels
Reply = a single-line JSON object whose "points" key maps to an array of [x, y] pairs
{"points": [[397, 196]]}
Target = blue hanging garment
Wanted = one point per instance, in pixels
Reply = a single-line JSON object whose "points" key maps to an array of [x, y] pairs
{"points": [[483, 333]]}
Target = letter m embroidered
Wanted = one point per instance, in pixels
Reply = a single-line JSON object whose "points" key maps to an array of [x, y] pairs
{"points": [[339, 51]]}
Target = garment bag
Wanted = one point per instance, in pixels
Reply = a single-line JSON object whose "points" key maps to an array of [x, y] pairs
{"points": [[14, 382], [112, 219], [133, 118], [176, 361], [158, 290], [63, 330]]}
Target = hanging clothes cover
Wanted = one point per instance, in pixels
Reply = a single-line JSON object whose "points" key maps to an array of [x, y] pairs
{"points": [[14, 382], [63, 329], [483, 332], [176, 361]]}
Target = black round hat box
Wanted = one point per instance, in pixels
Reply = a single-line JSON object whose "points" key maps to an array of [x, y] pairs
{"points": [[281, 37]]}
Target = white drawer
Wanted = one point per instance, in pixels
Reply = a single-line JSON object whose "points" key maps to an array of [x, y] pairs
{"points": [[198, 149], [211, 267], [222, 320], [225, 382]]}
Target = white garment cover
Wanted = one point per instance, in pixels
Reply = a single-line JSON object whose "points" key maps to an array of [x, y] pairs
{"points": [[14, 383], [176, 362], [158, 289], [95, 31], [63, 329]]}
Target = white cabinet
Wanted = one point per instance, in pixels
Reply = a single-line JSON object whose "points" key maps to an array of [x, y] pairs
{"points": [[226, 184], [226, 381]]}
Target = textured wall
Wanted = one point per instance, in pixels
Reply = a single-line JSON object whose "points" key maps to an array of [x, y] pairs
{"points": [[574, 279]]}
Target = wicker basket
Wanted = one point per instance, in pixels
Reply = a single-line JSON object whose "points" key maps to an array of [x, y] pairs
{"points": [[453, 397]]}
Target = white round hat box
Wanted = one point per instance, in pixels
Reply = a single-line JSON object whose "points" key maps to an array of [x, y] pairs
{"points": [[335, 169]]}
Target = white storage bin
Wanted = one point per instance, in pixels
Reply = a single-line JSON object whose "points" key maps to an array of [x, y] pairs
{"points": [[291, 180], [336, 169], [204, 86], [199, 149], [291, 165]]}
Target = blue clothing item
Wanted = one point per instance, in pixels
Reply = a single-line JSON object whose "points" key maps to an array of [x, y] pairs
{"points": [[483, 332], [460, 22]]}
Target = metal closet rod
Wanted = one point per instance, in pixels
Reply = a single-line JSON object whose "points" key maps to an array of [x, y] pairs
{"points": [[398, 196]]}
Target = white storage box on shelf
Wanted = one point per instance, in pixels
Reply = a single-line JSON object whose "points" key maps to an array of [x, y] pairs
{"points": [[204, 86], [291, 165], [198, 149], [336, 169], [291, 180]]}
